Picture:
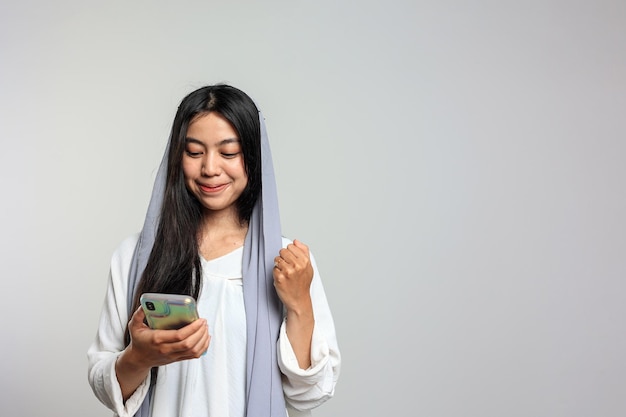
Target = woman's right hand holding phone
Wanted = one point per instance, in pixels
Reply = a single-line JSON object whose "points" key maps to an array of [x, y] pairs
{"points": [[149, 348]]}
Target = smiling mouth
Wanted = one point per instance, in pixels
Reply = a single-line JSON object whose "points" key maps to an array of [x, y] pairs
{"points": [[212, 189]]}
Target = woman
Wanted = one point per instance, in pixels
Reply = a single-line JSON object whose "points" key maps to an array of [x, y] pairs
{"points": [[265, 342]]}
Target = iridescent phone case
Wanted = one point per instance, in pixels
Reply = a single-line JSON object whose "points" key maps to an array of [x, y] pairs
{"points": [[168, 311]]}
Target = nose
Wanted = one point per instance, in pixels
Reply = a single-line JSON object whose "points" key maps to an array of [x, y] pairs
{"points": [[210, 165]]}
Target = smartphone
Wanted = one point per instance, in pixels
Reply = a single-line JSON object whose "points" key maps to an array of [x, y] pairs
{"points": [[168, 311]]}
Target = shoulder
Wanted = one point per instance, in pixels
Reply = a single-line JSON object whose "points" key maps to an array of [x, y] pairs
{"points": [[124, 252], [128, 244]]}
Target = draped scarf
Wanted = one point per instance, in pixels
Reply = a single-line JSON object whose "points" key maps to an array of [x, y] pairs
{"points": [[264, 393]]}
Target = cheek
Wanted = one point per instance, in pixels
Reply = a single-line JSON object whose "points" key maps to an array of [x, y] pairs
{"points": [[244, 175], [189, 169], [238, 171], [242, 170], [188, 175]]}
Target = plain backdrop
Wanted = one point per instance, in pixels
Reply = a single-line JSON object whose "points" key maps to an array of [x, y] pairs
{"points": [[457, 168]]}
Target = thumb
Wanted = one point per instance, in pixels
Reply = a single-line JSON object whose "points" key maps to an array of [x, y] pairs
{"points": [[139, 316]]}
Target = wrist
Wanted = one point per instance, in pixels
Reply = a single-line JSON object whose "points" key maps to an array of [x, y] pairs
{"points": [[300, 311], [130, 362]]}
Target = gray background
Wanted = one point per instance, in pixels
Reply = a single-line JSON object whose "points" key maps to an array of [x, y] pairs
{"points": [[456, 167]]}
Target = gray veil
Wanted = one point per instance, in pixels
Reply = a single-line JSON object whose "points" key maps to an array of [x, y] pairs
{"points": [[264, 393]]}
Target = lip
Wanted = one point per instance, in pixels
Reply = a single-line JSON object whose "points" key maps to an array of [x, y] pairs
{"points": [[212, 189]]}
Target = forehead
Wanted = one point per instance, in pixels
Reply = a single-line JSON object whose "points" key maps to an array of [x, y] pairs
{"points": [[211, 127]]}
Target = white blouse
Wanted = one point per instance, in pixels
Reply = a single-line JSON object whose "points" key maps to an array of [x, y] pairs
{"points": [[213, 385]]}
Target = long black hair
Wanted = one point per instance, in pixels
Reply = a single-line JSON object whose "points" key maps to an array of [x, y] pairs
{"points": [[174, 264]]}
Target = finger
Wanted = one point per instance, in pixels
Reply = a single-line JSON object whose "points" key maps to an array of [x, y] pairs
{"points": [[296, 263], [190, 346], [278, 275], [175, 337], [204, 343], [298, 249], [198, 343], [193, 347], [289, 255], [304, 248], [192, 328]]}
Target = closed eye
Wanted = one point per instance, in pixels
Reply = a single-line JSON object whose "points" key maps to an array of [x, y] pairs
{"points": [[193, 154]]}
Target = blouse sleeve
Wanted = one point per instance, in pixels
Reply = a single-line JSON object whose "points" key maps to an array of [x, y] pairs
{"points": [[306, 389], [109, 341]]}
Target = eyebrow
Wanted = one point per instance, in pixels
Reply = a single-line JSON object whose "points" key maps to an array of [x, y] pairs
{"points": [[223, 142]]}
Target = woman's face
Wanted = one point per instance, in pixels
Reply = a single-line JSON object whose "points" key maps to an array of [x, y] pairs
{"points": [[213, 163]]}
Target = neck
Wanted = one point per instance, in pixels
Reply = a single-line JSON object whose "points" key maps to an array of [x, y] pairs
{"points": [[221, 233], [224, 219]]}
